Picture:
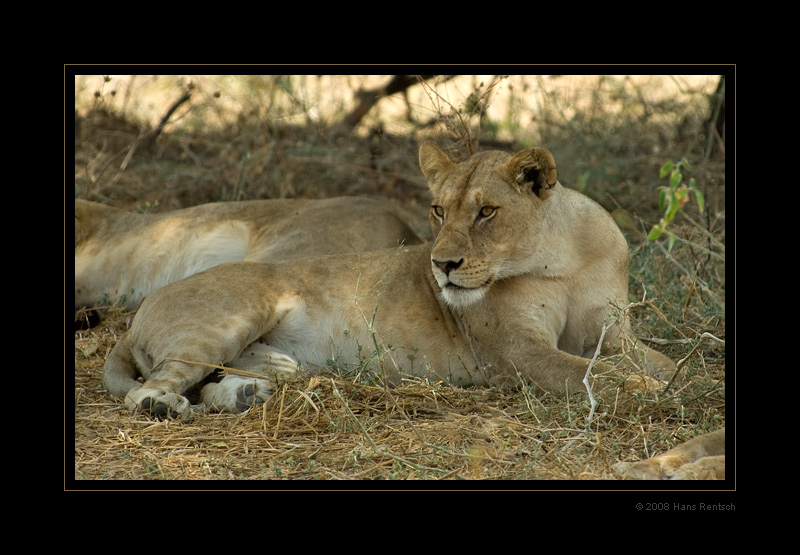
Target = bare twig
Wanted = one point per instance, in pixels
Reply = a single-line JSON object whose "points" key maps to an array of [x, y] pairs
{"points": [[592, 400], [280, 413], [682, 362], [457, 120]]}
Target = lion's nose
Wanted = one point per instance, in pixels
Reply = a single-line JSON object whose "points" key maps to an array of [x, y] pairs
{"points": [[448, 266]]}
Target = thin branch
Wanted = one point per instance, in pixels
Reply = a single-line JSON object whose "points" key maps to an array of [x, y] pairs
{"points": [[592, 400], [702, 284], [680, 364]]}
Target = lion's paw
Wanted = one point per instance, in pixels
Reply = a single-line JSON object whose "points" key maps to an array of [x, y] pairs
{"points": [[642, 383], [265, 359], [641, 470], [707, 468], [251, 395], [236, 394], [654, 363], [159, 404]]}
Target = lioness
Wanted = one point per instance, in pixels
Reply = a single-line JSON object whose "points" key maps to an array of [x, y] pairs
{"points": [[125, 255], [700, 458], [520, 278]]}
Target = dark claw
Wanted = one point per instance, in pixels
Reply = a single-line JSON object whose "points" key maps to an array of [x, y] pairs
{"points": [[86, 318], [160, 410], [246, 397]]}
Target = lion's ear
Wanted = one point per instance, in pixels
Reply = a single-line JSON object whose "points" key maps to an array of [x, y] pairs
{"points": [[435, 164], [534, 168]]}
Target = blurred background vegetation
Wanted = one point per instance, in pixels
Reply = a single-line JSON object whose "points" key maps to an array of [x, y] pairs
{"points": [[161, 142], [241, 137]]}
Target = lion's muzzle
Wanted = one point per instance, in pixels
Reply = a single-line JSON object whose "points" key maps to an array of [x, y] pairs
{"points": [[447, 266], [459, 285]]}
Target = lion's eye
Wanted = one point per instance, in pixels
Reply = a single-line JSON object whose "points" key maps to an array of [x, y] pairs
{"points": [[438, 210], [486, 212]]}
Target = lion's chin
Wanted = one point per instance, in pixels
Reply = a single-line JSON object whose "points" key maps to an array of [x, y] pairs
{"points": [[457, 297]]}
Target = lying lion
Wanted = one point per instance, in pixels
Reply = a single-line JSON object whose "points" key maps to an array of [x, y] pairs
{"points": [[126, 256], [516, 286], [700, 458]]}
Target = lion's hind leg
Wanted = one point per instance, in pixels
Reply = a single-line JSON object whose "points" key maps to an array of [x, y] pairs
{"points": [[119, 371], [159, 403], [120, 380], [161, 395], [156, 397], [237, 392], [707, 468], [656, 468]]}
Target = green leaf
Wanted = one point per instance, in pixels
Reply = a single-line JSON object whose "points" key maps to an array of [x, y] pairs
{"points": [[665, 169], [583, 180], [674, 206], [657, 230], [671, 241], [675, 179], [700, 200], [668, 201]]}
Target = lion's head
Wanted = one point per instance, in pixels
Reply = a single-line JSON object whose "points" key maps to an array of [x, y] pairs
{"points": [[489, 217]]}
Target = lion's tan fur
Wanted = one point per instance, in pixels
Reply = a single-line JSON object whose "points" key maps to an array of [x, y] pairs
{"points": [[127, 255], [700, 458], [517, 284]]}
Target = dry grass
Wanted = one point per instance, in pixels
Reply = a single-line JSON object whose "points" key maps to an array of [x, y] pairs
{"points": [[333, 427]]}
